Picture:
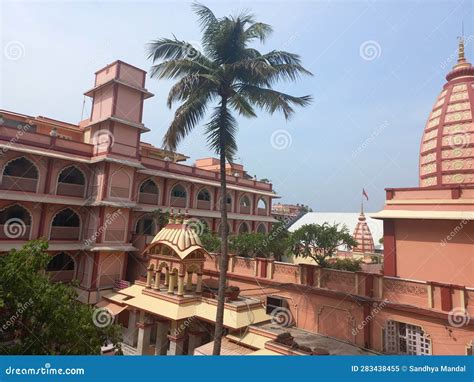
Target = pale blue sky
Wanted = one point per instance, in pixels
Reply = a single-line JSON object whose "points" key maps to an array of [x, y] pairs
{"points": [[363, 130]]}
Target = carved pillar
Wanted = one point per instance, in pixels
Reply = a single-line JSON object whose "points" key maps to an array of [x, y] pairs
{"points": [[180, 285], [167, 276], [156, 284], [176, 345], [199, 283], [189, 281], [149, 276], [172, 281], [130, 337]]}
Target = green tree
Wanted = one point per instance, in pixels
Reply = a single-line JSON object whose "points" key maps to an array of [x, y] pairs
{"points": [[40, 317], [209, 240], [352, 265], [277, 241], [233, 76], [320, 241], [249, 244], [161, 218]]}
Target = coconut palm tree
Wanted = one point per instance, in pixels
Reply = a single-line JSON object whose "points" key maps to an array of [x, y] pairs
{"points": [[231, 76]]}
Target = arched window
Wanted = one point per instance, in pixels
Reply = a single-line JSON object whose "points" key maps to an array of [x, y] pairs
{"points": [[20, 175], [148, 192], [146, 225], [244, 228], [66, 225], [261, 228], [204, 199], [15, 223], [244, 205], [71, 182], [262, 207], [178, 196], [60, 262]]}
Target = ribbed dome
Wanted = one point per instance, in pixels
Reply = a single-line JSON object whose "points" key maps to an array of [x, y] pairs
{"points": [[447, 153], [363, 236]]}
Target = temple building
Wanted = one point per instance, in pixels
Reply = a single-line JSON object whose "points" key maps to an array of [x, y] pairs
{"points": [[95, 190]]}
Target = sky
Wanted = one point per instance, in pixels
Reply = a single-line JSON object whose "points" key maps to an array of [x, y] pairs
{"points": [[377, 67]]}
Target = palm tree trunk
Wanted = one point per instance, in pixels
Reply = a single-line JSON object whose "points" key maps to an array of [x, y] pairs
{"points": [[224, 259]]}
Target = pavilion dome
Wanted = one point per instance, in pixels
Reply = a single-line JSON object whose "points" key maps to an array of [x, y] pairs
{"points": [[447, 146], [363, 236]]}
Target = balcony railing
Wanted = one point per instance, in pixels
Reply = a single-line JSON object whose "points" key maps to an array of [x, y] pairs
{"points": [[61, 276], [144, 197], [178, 202], [14, 232], [65, 233], [68, 189], [115, 235], [244, 209], [262, 211], [203, 205], [16, 183]]}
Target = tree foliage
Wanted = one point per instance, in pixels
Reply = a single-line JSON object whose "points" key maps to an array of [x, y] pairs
{"points": [[40, 317], [320, 241]]}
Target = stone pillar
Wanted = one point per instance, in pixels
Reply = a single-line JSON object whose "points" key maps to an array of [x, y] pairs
{"points": [[180, 285], [130, 337], [167, 276], [172, 280], [194, 341], [176, 345], [189, 281], [144, 331], [161, 345], [199, 283], [157, 280], [149, 275]]}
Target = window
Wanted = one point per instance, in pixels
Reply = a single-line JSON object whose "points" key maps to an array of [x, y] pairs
{"points": [[262, 204], [71, 175], [178, 192], [15, 223], [66, 218], [146, 226], [204, 196], [22, 168], [245, 201], [261, 228], [402, 338], [149, 187], [61, 262], [244, 228]]}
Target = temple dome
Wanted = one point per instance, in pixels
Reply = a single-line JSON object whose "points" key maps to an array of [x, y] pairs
{"points": [[363, 236], [447, 152]]}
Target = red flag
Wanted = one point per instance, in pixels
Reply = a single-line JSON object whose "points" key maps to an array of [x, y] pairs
{"points": [[365, 194]]}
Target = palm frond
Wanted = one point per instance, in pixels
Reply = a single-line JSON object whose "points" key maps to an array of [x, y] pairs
{"points": [[243, 107], [258, 31], [272, 100], [179, 67], [185, 119], [189, 86], [221, 131]]}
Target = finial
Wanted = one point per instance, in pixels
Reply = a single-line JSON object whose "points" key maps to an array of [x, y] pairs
{"points": [[461, 56]]}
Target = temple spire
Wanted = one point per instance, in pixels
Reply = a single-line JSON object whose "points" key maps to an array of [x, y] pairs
{"points": [[461, 56]]}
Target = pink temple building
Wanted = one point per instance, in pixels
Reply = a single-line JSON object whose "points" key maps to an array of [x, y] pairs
{"points": [[91, 189]]}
